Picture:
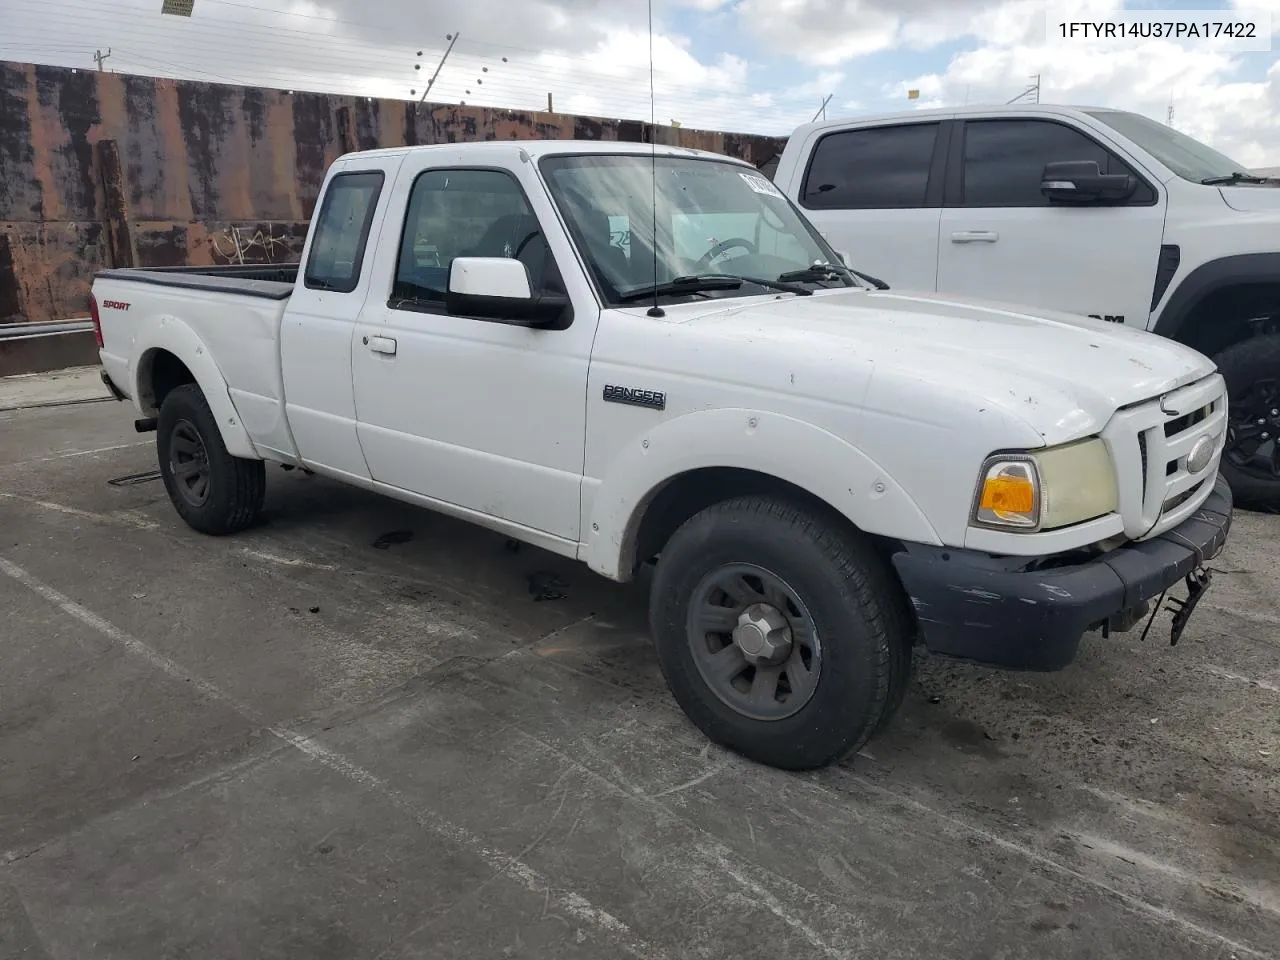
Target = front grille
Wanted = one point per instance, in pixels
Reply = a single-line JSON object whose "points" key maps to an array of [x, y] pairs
{"points": [[1151, 446], [1185, 422]]}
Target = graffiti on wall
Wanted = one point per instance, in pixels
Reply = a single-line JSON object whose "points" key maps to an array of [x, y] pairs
{"points": [[251, 244]]}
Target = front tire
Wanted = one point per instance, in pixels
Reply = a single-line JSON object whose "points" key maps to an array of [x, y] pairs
{"points": [[1251, 460], [782, 636], [213, 491]]}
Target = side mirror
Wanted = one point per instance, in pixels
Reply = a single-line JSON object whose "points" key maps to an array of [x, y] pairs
{"points": [[845, 257], [1082, 181], [497, 289]]}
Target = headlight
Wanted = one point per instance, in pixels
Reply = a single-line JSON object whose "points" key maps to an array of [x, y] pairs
{"points": [[1046, 489]]}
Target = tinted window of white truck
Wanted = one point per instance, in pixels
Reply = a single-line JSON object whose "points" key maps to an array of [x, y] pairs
{"points": [[877, 168], [1004, 161]]}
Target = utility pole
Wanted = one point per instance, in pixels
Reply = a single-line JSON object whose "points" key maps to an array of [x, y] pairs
{"points": [[452, 40], [822, 110], [1033, 90], [99, 56], [1169, 118]]}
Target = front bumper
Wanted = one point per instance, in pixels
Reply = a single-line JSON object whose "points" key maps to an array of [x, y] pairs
{"points": [[1014, 613]]}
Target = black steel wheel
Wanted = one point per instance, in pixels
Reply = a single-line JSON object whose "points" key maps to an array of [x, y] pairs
{"points": [[781, 632], [189, 463], [213, 491], [1251, 455], [1253, 429], [754, 641]]}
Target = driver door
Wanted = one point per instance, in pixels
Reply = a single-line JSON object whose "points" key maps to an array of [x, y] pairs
{"points": [[481, 415]]}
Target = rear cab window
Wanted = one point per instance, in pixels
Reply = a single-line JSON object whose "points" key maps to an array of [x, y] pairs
{"points": [[342, 231]]}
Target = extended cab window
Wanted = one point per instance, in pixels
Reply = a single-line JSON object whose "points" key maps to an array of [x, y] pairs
{"points": [[465, 213], [342, 230], [1004, 160], [874, 168]]}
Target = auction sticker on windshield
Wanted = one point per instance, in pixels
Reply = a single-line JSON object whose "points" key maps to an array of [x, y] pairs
{"points": [[760, 185]]}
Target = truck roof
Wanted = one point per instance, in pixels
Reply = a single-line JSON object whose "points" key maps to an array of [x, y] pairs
{"points": [[511, 149], [972, 110]]}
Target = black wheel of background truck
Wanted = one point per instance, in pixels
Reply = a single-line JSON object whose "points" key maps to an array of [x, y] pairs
{"points": [[214, 492], [782, 636], [1251, 459]]}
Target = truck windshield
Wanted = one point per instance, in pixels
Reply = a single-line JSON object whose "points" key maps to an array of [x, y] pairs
{"points": [[718, 221], [1185, 156]]}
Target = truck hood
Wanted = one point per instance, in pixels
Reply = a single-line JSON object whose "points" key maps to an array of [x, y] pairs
{"points": [[1252, 198], [1061, 373]]}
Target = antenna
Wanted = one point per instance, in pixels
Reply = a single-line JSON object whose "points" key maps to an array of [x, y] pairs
{"points": [[655, 310], [99, 56]]}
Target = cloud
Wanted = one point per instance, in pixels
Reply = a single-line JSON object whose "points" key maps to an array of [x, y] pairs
{"points": [[1240, 118], [592, 56], [828, 32]]}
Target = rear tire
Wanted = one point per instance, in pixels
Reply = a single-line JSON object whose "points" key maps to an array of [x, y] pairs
{"points": [[1251, 369], [213, 491], [832, 617]]}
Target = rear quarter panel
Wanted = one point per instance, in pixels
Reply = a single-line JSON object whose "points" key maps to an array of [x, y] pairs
{"points": [[230, 343]]}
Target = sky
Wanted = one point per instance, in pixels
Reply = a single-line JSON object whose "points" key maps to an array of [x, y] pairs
{"points": [[753, 66]]}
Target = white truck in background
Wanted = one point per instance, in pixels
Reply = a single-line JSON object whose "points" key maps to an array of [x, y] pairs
{"points": [[825, 473], [1084, 210]]}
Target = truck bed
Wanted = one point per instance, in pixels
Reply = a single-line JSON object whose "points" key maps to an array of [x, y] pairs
{"points": [[232, 313], [270, 281]]}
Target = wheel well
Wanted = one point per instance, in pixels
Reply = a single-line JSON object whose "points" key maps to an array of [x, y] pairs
{"points": [[688, 493], [1228, 315], [159, 372]]}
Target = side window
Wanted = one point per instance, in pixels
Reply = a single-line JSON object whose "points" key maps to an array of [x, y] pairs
{"points": [[1004, 160], [874, 168], [342, 230], [466, 213]]}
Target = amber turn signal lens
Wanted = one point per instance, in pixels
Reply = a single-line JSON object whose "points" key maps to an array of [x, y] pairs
{"points": [[1008, 494]]}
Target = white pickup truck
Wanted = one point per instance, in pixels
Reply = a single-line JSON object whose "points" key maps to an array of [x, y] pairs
{"points": [[1076, 209], [827, 474]]}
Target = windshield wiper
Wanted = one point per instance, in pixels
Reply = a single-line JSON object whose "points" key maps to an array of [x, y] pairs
{"points": [[707, 281], [827, 271], [815, 271], [1236, 177]]}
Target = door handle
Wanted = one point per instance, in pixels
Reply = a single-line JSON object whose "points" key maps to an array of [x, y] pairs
{"points": [[381, 345], [975, 236]]}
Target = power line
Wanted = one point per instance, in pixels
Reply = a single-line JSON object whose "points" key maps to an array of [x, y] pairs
{"points": [[283, 60], [304, 59], [508, 93]]}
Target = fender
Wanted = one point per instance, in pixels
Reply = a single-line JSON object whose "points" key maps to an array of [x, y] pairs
{"points": [[792, 450], [1209, 277], [167, 332]]}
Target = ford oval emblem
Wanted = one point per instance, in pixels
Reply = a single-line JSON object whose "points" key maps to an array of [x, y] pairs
{"points": [[1200, 455]]}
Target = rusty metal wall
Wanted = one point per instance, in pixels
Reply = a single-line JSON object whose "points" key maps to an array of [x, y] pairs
{"points": [[104, 169]]}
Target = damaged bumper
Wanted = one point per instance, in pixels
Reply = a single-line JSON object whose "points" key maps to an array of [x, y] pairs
{"points": [[1013, 613]]}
